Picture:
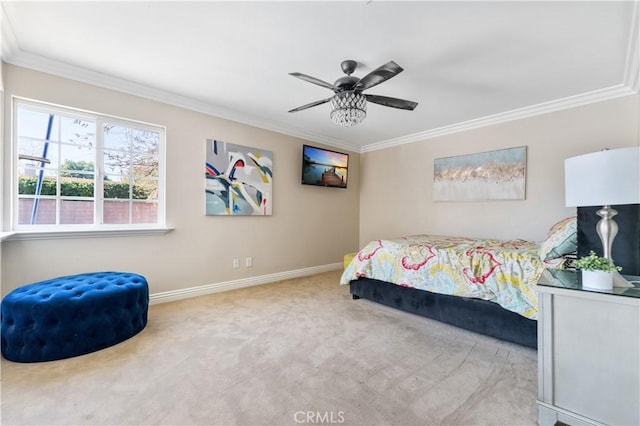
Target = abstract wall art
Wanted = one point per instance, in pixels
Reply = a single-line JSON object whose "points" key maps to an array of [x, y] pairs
{"points": [[492, 175], [238, 180]]}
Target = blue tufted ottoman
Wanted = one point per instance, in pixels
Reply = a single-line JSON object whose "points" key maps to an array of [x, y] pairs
{"points": [[72, 315]]}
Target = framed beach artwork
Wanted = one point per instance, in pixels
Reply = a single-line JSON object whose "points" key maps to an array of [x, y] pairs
{"points": [[324, 167], [238, 180], [492, 175]]}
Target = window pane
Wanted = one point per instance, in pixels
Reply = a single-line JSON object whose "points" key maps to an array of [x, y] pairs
{"points": [[145, 142], [38, 135], [77, 158], [34, 124], [144, 165], [71, 186], [145, 189], [115, 212], [31, 150], [78, 132], [117, 162], [145, 212], [28, 182], [116, 187], [44, 214], [116, 179], [117, 137], [76, 212]]}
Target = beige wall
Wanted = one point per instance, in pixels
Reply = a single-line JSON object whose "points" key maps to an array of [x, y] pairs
{"points": [[1, 158], [396, 193], [310, 226]]}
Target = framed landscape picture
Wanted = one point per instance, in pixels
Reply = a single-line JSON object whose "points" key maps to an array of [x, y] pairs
{"points": [[324, 167], [492, 175]]}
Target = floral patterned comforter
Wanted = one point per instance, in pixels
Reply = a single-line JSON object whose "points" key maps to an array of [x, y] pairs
{"points": [[504, 272]]}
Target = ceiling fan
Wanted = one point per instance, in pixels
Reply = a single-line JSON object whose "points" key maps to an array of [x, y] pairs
{"points": [[349, 104]]}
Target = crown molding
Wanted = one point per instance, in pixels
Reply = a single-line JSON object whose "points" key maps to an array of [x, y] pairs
{"points": [[516, 114]]}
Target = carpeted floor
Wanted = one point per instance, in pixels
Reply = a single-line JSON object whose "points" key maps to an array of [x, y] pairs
{"points": [[294, 352]]}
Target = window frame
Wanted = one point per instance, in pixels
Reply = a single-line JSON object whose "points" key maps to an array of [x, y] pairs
{"points": [[46, 231]]}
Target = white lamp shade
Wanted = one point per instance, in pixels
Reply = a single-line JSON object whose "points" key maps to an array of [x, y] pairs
{"points": [[610, 177]]}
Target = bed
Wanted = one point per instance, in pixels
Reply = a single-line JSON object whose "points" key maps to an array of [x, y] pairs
{"points": [[487, 286]]}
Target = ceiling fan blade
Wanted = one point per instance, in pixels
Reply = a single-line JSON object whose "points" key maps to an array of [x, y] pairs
{"points": [[312, 104], [377, 76], [312, 80], [392, 102]]}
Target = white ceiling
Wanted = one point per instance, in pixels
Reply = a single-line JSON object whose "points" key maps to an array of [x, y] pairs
{"points": [[466, 63]]}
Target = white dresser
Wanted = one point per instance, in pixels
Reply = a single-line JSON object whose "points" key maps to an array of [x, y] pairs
{"points": [[588, 353]]}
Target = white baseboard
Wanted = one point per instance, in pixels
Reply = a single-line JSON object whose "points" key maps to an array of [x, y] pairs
{"points": [[185, 293]]}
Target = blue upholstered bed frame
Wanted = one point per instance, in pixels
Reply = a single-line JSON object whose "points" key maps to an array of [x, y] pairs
{"points": [[477, 315]]}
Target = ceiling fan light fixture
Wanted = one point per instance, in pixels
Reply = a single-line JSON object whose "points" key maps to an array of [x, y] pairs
{"points": [[348, 108]]}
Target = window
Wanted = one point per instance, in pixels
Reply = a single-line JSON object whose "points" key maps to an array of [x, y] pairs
{"points": [[80, 170]]}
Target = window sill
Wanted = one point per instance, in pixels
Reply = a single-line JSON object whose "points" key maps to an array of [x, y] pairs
{"points": [[83, 233], [5, 235]]}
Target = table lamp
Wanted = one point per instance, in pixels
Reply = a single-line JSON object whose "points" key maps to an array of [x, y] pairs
{"points": [[604, 178]]}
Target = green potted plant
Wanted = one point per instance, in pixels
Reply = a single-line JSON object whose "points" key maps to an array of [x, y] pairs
{"points": [[597, 272]]}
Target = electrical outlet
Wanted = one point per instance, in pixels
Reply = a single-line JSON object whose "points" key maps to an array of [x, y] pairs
{"points": [[248, 262], [236, 263]]}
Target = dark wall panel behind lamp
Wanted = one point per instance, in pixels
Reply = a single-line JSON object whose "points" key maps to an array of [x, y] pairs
{"points": [[626, 245]]}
